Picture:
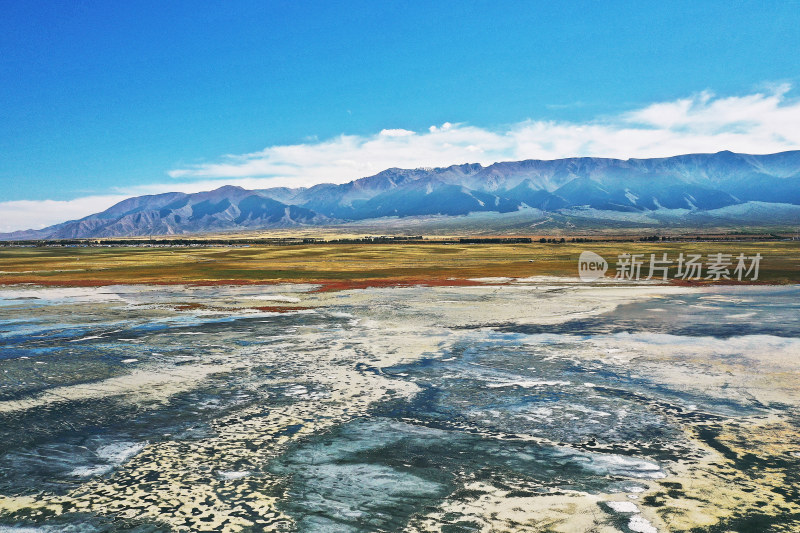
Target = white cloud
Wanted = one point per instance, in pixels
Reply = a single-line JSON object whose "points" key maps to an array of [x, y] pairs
{"points": [[33, 214], [757, 123], [396, 133], [763, 122]]}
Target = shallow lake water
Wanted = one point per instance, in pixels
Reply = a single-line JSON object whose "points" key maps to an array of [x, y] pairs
{"points": [[532, 406]]}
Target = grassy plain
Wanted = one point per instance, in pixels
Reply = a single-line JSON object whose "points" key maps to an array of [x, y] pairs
{"points": [[354, 264]]}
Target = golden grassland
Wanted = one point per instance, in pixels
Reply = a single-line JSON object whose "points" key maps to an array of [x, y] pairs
{"points": [[366, 264]]}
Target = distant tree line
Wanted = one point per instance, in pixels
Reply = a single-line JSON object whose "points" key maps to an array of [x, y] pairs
{"points": [[383, 239]]}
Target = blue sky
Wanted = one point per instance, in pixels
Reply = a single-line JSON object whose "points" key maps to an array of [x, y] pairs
{"points": [[101, 99]]}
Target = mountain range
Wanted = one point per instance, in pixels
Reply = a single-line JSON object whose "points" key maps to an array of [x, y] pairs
{"points": [[742, 188]]}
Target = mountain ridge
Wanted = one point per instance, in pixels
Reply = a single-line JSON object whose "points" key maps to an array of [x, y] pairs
{"points": [[698, 183]]}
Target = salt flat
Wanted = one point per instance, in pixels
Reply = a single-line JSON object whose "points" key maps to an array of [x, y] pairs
{"points": [[538, 404]]}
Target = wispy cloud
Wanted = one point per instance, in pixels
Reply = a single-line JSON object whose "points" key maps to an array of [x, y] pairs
{"points": [[757, 123], [763, 122]]}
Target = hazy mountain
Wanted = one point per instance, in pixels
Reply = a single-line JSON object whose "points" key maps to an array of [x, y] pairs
{"points": [[225, 208], [671, 190]]}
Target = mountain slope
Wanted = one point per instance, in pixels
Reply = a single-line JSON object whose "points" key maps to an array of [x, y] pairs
{"points": [[223, 209], [695, 186]]}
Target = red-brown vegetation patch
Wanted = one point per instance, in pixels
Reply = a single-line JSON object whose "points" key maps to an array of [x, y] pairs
{"points": [[189, 307], [280, 308], [344, 285]]}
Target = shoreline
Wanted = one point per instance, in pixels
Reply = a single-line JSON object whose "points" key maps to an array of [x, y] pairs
{"points": [[333, 285]]}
